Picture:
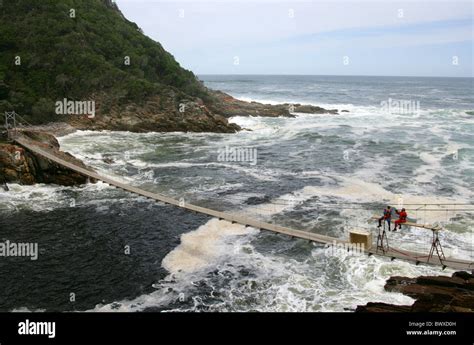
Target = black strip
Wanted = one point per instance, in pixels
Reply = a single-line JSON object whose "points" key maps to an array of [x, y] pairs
{"points": [[238, 328]]}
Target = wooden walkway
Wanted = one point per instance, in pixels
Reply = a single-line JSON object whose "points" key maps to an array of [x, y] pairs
{"points": [[248, 222]]}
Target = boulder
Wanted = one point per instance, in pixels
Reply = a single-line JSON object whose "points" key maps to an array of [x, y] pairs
{"points": [[19, 165], [432, 294], [382, 308]]}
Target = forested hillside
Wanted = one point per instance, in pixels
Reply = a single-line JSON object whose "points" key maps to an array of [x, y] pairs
{"points": [[80, 49]]}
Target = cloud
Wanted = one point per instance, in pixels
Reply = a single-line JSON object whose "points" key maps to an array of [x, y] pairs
{"points": [[217, 30]]}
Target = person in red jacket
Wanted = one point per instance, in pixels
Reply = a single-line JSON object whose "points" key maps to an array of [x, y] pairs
{"points": [[402, 218]]}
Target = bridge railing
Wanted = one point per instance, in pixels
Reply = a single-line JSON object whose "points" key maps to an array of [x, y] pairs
{"points": [[13, 122]]}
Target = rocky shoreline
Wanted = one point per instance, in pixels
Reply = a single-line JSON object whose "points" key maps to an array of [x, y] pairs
{"points": [[18, 165], [178, 112], [432, 294], [229, 106]]}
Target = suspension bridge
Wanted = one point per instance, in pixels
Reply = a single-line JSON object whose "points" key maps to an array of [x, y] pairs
{"points": [[382, 247]]}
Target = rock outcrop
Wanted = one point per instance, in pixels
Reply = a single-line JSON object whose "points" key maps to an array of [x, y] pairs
{"points": [[175, 111], [168, 112], [432, 294], [229, 106], [18, 165]]}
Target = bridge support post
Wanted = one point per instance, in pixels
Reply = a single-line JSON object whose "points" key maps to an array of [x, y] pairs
{"points": [[382, 240], [436, 245], [10, 124]]}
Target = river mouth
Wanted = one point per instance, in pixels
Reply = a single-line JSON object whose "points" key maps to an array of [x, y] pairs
{"points": [[320, 173]]}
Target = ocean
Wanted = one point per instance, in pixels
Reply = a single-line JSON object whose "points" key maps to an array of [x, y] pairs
{"points": [[404, 141]]}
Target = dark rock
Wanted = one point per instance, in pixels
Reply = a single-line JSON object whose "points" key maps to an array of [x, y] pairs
{"points": [[254, 200], [311, 109], [432, 293], [19, 165], [229, 106], [463, 275], [170, 112], [382, 307], [42, 137]]}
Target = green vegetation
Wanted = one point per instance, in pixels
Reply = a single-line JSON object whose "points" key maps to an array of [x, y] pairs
{"points": [[78, 58]]}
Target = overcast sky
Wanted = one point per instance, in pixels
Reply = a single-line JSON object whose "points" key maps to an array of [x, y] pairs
{"points": [[356, 37]]}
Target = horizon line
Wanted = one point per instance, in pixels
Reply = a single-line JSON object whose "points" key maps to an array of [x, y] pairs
{"points": [[331, 75]]}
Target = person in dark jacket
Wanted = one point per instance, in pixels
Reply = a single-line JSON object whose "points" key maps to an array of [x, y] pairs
{"points": [[387, 216]]}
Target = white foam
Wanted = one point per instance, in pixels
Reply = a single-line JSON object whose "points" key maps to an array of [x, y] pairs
{"points": [[279, 283], [27, 310], [200, 247], [42, 197]]}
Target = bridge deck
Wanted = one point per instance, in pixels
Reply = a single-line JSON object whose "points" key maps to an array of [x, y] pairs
{"points": [[392, 252]]}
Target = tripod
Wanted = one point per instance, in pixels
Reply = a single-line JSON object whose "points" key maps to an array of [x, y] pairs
{"points": [[436, 245], [382, 239]]}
